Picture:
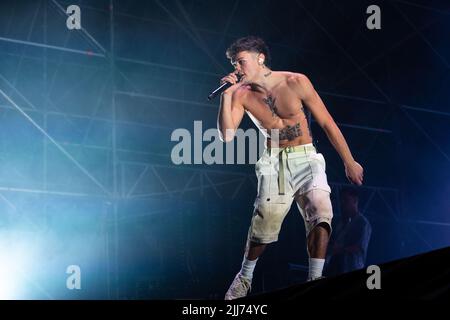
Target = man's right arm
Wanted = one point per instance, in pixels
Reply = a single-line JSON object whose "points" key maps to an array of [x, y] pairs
{"points": [[231, 112]]}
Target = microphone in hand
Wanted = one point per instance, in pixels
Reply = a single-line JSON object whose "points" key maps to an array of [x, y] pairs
{"points": [[224, 86]]}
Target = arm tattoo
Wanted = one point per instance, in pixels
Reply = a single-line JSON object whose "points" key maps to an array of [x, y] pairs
{"points": [[290, 132], [271, 103]]}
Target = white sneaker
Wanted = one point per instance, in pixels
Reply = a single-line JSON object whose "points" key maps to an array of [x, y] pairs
{"points": [[239, 288]]}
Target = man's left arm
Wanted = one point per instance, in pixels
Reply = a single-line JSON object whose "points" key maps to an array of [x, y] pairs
{"points": [[311, 98]]}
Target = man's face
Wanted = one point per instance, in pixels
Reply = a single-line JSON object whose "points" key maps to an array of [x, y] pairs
{"points": [[246, 64]]}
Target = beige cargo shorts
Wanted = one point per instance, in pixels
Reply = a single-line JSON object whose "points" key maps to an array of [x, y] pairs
{"points": [[285, 174]]}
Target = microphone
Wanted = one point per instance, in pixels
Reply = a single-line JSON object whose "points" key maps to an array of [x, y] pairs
{"points": [[222, 88]]}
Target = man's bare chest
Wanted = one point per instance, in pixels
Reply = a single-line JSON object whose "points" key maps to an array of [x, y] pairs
{"points": [[279, 104]]}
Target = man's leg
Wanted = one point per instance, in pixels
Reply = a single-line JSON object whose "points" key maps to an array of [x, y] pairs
{"points": [[318, 241], [242, 282], [315, 206], [252, 252], [317, 244], [267, 217], [255, 250]]}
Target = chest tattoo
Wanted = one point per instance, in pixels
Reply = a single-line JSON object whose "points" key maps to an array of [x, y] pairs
{"points": [[290, 132], [270, 102]]}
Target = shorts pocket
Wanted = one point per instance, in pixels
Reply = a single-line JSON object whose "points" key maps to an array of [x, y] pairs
{"points": [[319, 158]]}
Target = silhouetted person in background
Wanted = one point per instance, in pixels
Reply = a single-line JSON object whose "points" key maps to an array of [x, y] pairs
{"points": [[348, 250]]}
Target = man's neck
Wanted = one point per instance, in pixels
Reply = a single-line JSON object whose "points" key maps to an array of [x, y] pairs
{"points": [[264, 80]]}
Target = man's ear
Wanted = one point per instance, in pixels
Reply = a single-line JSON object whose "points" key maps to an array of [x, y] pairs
{"points": [[261, 58]]}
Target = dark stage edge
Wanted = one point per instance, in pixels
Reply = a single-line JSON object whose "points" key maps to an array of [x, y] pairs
{"points": [[425, 276]]}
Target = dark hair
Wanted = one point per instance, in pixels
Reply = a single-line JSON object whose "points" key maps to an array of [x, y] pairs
{"points": [[349, 191], [250, 43]]}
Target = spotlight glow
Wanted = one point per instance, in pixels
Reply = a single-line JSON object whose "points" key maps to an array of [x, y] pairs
{"points": [[15, 262], [11, 275]]}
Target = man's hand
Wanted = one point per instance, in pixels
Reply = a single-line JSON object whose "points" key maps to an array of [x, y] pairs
{"points": [[231, 110], [233, 79], [354, 173]]}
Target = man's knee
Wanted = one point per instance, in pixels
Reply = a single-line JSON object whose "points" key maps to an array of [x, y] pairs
{"points": [[318, 211], [319, 204]]}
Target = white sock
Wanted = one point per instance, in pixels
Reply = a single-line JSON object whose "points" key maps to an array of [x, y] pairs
{"points": [[315, 268], [247, 268]]}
